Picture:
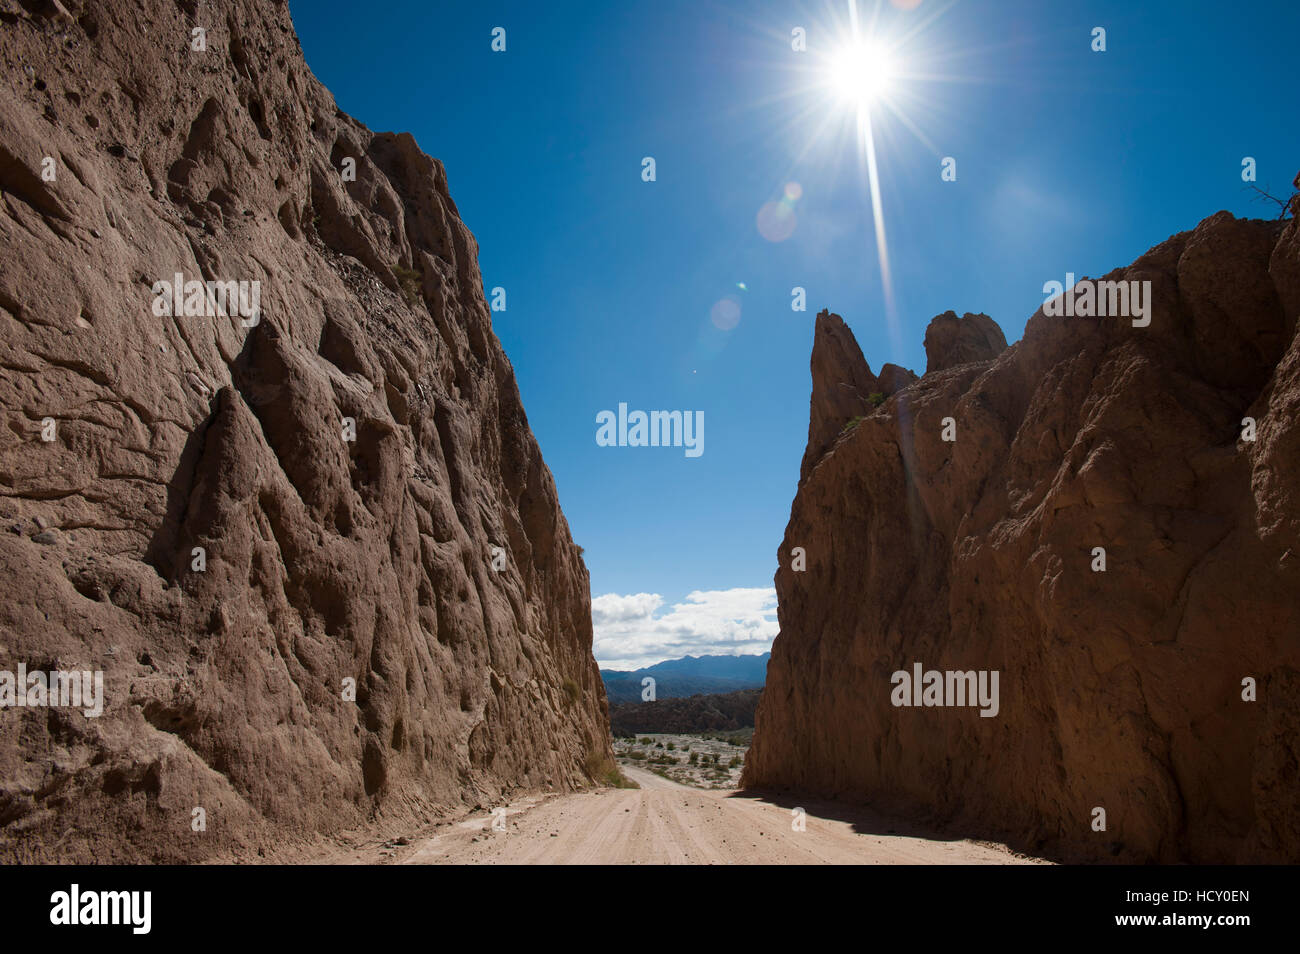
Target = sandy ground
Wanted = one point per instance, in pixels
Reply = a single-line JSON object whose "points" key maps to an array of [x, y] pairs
{"points": [[666, 823]]}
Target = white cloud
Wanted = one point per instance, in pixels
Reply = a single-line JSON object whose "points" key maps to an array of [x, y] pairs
{"points": [[612, 608], [735, 622]]}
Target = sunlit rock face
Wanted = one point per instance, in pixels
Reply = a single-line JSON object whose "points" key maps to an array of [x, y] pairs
{"points": [[1163, 689], [312, 545]]}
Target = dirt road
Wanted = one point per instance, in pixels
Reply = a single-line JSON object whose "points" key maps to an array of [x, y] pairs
{"points": [[666, 823]]}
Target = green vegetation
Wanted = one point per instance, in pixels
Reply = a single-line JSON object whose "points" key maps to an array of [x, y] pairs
{"points": [[876, 398], [606, 772], [687, 760], [410, 281], [740, 737]]}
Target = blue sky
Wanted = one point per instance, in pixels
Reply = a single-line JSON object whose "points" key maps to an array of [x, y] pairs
{"points": [[1067, 160]]}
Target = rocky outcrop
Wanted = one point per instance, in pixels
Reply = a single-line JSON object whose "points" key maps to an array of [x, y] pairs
{"points": [[893, 379], [844, 388], [950, 341], [1160, 686], [312, 546]]}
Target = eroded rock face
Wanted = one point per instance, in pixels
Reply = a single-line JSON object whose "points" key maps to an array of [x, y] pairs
{"points": [[843, 385], [237, 521], [1122, 689], [950, 341]]}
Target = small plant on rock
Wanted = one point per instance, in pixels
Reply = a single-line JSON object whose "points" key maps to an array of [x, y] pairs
{"points": [[410, 281]]}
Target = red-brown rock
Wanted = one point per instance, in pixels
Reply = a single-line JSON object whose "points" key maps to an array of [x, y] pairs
{"points": [[1121, 689], [328, 559], [950, 341]]}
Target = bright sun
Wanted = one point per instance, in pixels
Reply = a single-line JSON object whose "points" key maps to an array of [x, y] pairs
{"points": [[862, 72]]}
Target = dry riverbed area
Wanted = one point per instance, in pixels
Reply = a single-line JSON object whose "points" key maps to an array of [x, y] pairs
{"points": [[710, 762]]}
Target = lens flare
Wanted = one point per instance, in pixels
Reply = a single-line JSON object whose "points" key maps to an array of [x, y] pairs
{"points": [[776, 219], [725, 313]]}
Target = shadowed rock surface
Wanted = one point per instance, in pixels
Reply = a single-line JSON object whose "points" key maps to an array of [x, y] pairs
{"points": [[950, 341], [1120, 689], [843, 385], [327, 559]]}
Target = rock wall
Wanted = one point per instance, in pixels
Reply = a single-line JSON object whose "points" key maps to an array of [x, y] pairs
{"points": [[1120, 689], [273, 533]]}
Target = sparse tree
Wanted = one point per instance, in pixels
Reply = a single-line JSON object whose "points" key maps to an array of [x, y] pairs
{"points": [[1288, 206]]}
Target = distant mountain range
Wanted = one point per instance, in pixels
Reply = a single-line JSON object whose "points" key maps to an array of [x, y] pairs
{"points": [[688, 676]]}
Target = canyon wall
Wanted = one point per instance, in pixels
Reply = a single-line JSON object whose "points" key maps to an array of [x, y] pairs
{"points": [[314, 550], [1126, 688]]}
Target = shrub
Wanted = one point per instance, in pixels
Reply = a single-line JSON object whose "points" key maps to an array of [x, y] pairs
{"points": [[571, 691], [606, 772], [410, 281]]}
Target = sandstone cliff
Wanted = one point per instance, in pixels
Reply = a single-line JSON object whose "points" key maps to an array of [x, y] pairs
{"points": [[1120, 689], [233, 520]]}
